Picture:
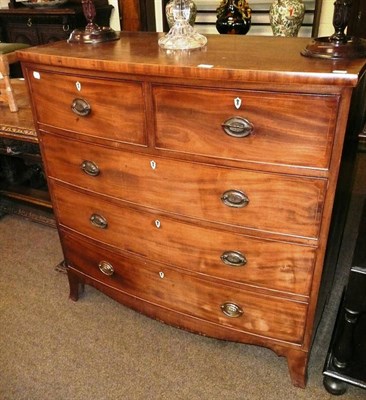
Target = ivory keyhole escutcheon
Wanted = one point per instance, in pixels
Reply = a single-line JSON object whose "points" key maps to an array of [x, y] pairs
{"points": [[237, 102]]}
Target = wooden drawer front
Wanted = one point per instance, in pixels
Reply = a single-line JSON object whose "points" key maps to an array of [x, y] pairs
{"points": [[117, 107], [185, 293], [288, 129], [268, 264], [282, 204]]}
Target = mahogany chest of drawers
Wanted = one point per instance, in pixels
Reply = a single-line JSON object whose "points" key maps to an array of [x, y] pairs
{"points": [[198, 188]]}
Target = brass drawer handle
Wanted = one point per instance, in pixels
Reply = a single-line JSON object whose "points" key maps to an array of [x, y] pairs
{"points": [[80, 107], [106, 268], [235, 198], [12, 151], [90, 168], [231, 310], [233, 258], [238, 127], [99, 221]]}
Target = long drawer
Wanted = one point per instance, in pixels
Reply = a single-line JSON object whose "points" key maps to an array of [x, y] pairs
{"points": [[282, 204], [113, 110], [260, 127], [188, 294], [227, 256]]}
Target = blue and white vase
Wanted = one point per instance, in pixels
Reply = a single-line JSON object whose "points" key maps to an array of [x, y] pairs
{"points": [[286, 17]]}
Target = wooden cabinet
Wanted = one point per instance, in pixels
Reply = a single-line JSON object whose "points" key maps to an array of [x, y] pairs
{"points": [[35, 26], [23, 186], [198, 188]]}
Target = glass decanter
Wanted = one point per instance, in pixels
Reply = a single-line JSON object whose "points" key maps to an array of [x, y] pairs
{"points": [[182, 35]]}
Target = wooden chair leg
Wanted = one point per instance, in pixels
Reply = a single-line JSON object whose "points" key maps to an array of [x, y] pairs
{"points": [[9, 93]]}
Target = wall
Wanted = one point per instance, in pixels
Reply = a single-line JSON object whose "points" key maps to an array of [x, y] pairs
{"points": [[326, 18], [115, 16]]}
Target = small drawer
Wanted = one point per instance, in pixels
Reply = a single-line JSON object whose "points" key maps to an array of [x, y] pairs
{"points": [[248, 312], [255, 200], [106, 109], [224, 255], [259, 127]]}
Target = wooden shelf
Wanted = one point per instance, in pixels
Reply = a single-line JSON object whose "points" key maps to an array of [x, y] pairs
{"points": [[33, 196]]}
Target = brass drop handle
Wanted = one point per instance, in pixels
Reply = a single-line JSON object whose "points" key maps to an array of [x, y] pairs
{"points": [[233, 258], [237, 127], [235, 198], [106, 268], [13, 151], [90, 168], [231, 310], [99, 221], [80, 107]]}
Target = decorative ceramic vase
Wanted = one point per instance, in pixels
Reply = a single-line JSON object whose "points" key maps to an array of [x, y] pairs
{"points": [[170, 17], [233, 17], [286, 17]]}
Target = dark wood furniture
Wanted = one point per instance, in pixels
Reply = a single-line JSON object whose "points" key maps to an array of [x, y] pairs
{"points": [[357, 24], [203, 195], [346, 359], [21, 24], [23, 187], [137, 15]]}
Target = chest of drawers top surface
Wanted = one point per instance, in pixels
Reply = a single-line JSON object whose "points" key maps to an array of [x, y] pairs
{"points": [[234, 58]]}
